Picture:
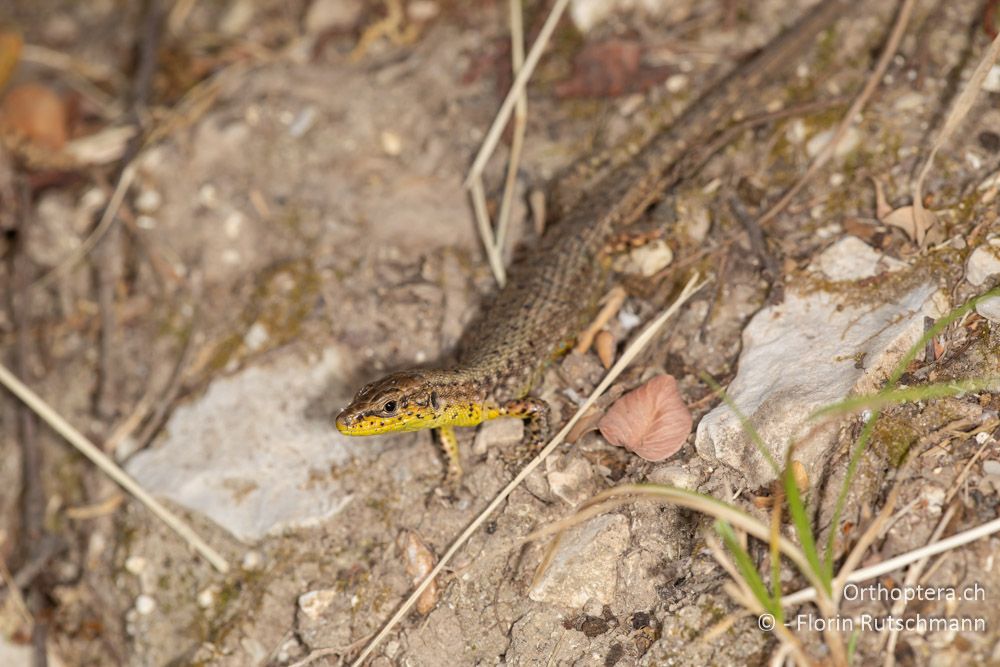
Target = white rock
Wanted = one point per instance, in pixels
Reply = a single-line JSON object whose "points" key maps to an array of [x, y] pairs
{"points": [[991, 467], [990, 308], [573, 483], [585, 566], [16, 655], [983, 264], [853, 259], [135, 564], [256, 337], [252, 561], [145, 605], [648, 259], [992, 81], [148, 201], [246, 455], [814, 349], [586, 14], [314, 603], [324, 15], [206, 597], [497, 433]]}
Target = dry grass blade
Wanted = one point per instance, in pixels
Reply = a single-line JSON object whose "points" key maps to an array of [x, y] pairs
{"points": [[620, 495], [954, 119], [516, 89], [892, 45], [485, 233], [902, 560], [912, 576], [520, 126], [641, 341], [102, 461]]}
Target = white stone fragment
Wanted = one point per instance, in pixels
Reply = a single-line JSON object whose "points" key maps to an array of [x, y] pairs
{"points": [[256, 337], [148, 201], [991, 467], [145, 605], [247, 454], [814, 349], [314, 603], [135, 564], [992, 81], [585, 566], [853, 259], [573, 483], [983, 264], [252, 561], [649, 259], [497, 433]]}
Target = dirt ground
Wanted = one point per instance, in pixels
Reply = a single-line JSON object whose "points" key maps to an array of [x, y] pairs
{"points": [[298, 225]]}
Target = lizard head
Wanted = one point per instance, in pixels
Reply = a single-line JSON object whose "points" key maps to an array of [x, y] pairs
{"points": [[403, 401]]}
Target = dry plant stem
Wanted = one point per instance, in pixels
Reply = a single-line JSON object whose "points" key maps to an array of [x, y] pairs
{"points": [[960, 479], [912, 576], [902, 560], [867, 539], [954, 119], [515, 92], [101, 460], [892, 45], [485, 233], [520, 126], [612, 304], [628, 493], [627, 357]]}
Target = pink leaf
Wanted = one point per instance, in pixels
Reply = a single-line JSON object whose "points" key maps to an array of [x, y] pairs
{"points": [[651, 421]]}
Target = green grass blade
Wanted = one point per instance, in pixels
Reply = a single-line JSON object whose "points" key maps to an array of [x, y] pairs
{"points": [[800, 519], [747, 569], [898, 396], [869, 427]]}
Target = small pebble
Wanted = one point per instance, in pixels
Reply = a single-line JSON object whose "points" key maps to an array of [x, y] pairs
{"points": [[206, 597], [991, 467], [392, 143], [148, 201], [135, 564], [252, 561], [145, 605]]}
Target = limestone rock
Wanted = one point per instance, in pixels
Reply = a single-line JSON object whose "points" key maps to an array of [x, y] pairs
{"points": [[246, 454], [585, 567], [816, 348]]}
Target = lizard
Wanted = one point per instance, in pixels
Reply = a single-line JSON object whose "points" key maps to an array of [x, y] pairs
{"points": [[554, 287]]}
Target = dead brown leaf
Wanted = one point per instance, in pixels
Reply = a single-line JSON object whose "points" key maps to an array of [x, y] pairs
{"points": [[651, 421]]}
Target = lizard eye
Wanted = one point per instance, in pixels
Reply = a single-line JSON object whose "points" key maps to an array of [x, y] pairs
{"points": [[389, 407]]}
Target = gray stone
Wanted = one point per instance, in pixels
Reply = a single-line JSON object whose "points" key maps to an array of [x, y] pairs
{"points": [[574, 483], [497, 434], [814, 349], [246, 454], [983, 264], [585, 567]]}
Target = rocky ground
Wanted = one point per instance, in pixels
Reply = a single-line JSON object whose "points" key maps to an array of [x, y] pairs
{"points": [[297, 226]]}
